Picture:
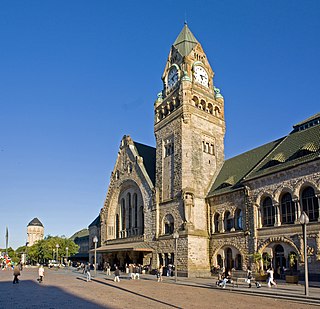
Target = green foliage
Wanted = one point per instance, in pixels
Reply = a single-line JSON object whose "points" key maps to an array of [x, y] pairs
{"points": [[46, 249], [12, 255], [292, 259]]}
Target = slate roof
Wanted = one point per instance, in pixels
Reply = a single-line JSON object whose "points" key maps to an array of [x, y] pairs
{"points": [[148, 154], [35, 222], [300, 146], [236, 168], [185, 41], [95, 222], [79, 234]]}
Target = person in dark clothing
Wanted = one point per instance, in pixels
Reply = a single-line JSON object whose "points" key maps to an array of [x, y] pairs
{"points": [[16, 274]]}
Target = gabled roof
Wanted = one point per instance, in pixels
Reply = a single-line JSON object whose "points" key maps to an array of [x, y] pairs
{"points": [[95, 222], [79, 234], [300, 146], [35, 222], [236, 168], [149, 159], [185, 41]]}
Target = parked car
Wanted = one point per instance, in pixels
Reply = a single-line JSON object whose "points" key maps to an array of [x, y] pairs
{"points": [[53, 263]]}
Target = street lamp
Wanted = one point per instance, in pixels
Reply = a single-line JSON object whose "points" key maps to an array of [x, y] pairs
{"points": [[175, 237], [27, 243], [95, 240], [57, 246], [304, 220], [67, 256]]}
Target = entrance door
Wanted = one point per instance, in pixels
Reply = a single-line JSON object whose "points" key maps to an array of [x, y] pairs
{"points": [[229, 262], [280, 261]]}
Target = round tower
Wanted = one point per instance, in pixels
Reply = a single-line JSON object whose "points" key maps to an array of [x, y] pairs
{"points": [[35, 231]]}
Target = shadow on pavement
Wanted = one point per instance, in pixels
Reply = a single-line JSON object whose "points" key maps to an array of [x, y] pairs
{"points": [[29, 294], [134, 293]]}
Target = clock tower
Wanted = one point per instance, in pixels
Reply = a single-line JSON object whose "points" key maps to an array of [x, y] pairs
{"points": [[189, 129]]}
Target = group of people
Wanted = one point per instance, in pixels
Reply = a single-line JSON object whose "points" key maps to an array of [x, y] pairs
{"points": [[225, 277], [17, 272]]}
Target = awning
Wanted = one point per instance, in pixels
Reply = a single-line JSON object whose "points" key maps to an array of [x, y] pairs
{"points": [[136, 246]]}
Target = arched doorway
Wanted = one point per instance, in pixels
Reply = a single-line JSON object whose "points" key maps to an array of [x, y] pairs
{"points": [[229, 261], [279, 261]]}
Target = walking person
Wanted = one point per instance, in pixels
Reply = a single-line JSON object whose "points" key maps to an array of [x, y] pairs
{"points": [[270, 280], [87, 272], [159, 273], [117, 275], [16, 274], [41, 274], [108, 269], [249, 276]]}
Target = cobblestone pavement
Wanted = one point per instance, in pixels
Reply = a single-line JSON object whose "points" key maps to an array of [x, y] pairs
{"points": [[69, 289]]}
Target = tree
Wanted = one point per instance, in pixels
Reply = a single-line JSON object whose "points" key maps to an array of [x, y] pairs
{"points": [[46, 249]]}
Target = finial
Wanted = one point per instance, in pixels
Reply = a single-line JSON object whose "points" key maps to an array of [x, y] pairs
{"points": [[185, 17]]}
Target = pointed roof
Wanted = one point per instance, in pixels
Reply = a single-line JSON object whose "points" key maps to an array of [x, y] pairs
{"points": [[185, 41], [148, 154], [35, 222]]}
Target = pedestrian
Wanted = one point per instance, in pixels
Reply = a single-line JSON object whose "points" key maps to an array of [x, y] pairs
{"points": [[108, 269], [87, 272], [41, 273], [131, 271], [270, 280], [137, 272], [16, 274], [249, 276], [159, 273], [117, 275]]}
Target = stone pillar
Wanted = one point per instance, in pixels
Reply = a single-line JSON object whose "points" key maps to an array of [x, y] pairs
{"points": [[317, 196], [297, 205], [277, 215], [221, 224]]}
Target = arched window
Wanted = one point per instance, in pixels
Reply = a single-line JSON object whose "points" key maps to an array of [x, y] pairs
{"points": [[229, 261], [168, 222], [268, 212], [216, 222], [129, 209], [279, 259], [310, 203], [239, 219], [287, 209], [238, 262], [219, 261], [123, 214], [135, 209], [141, 216], [117, 226], [228, 221]]}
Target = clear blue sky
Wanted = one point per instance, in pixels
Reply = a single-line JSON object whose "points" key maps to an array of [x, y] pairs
{"points": [[75, 76]]}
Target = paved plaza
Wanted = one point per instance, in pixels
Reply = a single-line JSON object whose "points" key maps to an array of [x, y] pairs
{"points": [[69, 289]]}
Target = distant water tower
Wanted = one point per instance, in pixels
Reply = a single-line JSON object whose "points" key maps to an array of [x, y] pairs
{"points": [[35, 231]]}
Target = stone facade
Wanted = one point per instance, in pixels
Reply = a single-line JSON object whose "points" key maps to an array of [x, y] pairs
{"points": [[185, 187], [35, 231]]}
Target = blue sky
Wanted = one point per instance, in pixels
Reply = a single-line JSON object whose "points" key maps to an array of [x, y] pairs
{"points": [[75, 76]]}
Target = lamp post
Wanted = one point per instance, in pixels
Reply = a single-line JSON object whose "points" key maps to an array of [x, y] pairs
{"points": [[304, 220], [27, 243], [95, 240], [175, 237], [57, 257], [67, 248]]}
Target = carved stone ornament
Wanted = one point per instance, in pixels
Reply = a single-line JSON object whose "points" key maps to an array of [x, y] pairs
{"points": [[188, 203]]}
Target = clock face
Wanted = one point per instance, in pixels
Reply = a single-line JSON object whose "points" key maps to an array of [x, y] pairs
{"points": [[201, 76], [173, 77]]}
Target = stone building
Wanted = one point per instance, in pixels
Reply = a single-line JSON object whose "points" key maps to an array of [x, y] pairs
{"points": [[224, 211], [81, 238], [35, 231]]}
